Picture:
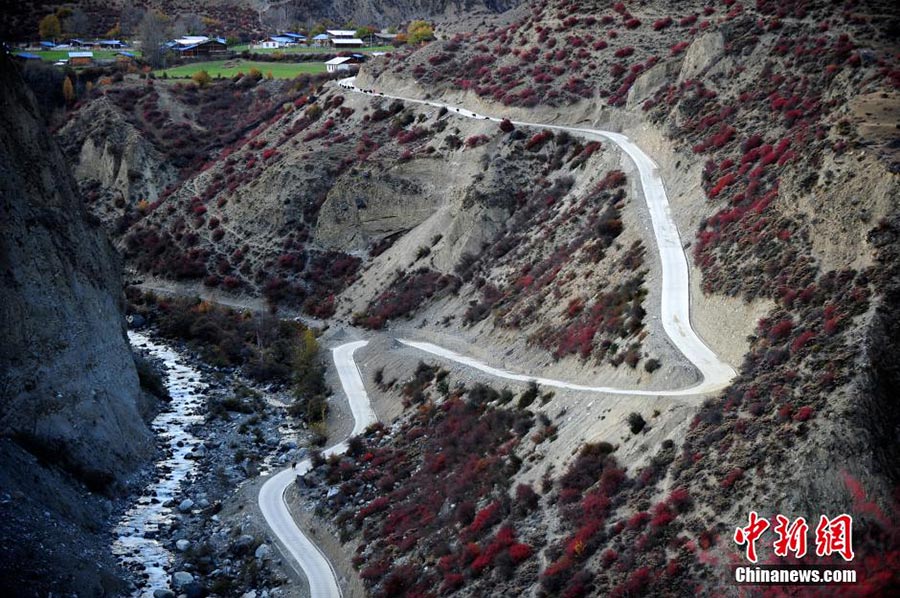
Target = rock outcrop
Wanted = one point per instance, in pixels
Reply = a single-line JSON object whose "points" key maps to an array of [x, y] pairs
{"points": [[71, 429], [110, 152]]}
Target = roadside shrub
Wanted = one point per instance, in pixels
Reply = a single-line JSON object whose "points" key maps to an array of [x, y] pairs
{"points": [[538, 140], [636, 422]]}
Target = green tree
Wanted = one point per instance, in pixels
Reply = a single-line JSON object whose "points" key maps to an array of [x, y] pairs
{"points": [[77, 23], [201, 78], [310, 392], [364, 32], [50, 27], [419, 31]]}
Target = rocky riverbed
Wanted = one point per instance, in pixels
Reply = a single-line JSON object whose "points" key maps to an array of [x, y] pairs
{"points": [[194, 530]]}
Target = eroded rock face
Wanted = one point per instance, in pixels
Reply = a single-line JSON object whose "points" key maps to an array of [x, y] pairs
{"points": [[69, 392], [69, 386], [106, 150]]}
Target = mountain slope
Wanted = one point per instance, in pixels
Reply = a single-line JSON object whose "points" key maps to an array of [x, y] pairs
{"points": [[70, 400]]}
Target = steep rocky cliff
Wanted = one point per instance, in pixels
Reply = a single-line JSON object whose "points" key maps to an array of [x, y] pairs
{"points": [[70, 399]]}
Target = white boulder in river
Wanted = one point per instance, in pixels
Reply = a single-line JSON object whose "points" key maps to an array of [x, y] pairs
{"points": [[181, 579]]}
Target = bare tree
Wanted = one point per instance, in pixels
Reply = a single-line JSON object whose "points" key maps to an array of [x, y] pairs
{"points": [[187, 24], [77, 23], [277, 19], [153, 33], [130, 18]]}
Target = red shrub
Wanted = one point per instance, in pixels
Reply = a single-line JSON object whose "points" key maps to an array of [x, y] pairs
{"points": [[635, 584], [476, 140], [781, 329], [411, 135], [679, 498], [376, 506], [613, 179], [486, 517], [538, 140], [802, 340], [638, 520], [663, 516], [678, 48], [804, 413], [519, 552], [723, 182], [733, 476], [660, 24]]}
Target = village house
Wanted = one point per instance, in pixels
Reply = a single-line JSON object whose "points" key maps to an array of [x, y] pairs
{"points": [[198, 46], [386, 38], [81, 58], [340, 33], [347, 42], [113, 44], [344, 63], [283, 41], [320, 39], [344, 38]]}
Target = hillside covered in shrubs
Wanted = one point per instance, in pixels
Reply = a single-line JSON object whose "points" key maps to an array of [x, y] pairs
{"points": [[773, 126]]}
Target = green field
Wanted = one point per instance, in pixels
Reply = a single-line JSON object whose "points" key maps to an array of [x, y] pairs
{"points": [[54, 55], [229, 68], [308, 50]]}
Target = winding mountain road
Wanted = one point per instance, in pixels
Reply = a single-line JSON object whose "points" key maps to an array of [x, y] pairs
{"points": [[674, 315], [294, 543], [675, 308]]}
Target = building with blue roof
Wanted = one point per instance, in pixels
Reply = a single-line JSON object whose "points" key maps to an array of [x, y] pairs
{"points": [[198, 46]]}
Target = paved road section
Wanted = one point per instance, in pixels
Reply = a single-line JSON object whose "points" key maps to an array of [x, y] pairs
{"points": [[294, 544]]}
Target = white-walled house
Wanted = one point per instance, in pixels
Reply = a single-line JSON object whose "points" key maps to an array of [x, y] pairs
{"points": [[342, 63]]}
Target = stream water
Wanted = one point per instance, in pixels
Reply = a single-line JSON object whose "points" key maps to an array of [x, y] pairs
{"points": [[137, 545]]}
